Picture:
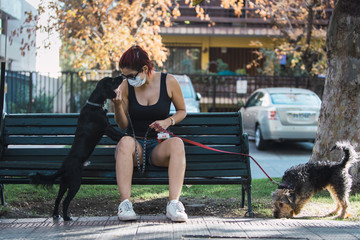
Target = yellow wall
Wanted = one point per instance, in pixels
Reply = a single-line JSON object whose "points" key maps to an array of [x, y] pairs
{"points": [[206, 42]]}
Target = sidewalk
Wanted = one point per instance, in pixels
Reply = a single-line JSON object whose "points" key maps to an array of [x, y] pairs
{"points": [[196, 228]]}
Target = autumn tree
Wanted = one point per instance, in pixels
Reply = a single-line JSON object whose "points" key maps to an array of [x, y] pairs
{"points": [[302, 27], [95, 33], [98, 32]]}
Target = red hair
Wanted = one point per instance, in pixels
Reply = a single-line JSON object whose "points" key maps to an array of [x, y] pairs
{"points": [[135, 58]]}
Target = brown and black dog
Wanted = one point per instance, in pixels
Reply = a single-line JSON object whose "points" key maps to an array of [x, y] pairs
{"points": [[301, 182]]}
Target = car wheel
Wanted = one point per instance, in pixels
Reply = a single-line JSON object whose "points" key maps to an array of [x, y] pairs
{"points": [[260, 143]]}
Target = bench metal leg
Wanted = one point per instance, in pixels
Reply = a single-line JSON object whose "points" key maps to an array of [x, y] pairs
{"points": [[2, 192], [247, 189], [242, 196]]}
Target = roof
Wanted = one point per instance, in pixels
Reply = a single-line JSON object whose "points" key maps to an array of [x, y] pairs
{"points": [[286, 90]]}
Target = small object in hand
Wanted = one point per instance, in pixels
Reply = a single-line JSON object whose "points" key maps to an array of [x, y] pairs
{"points": [[162, 136]]}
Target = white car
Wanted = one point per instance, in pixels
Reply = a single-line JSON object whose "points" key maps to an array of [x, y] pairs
{"points": [[191, 98], [281, 114]]}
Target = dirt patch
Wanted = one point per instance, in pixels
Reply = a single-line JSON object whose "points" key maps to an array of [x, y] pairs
{"points": [[108, 207]]}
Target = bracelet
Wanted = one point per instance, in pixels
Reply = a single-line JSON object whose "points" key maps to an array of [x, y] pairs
{"points": [[172, 121]]}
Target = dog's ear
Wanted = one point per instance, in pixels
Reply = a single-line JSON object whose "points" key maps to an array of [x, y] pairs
{"points": [[283, 195], [290, 198], [287, 200], [275, 195]]}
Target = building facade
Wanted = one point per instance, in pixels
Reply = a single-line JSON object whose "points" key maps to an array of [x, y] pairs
{"points": [[12, 16], [194, 46]]}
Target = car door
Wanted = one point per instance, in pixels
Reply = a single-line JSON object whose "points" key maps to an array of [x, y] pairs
{"points": [[246, 112], [251, 112], [254, 112]]}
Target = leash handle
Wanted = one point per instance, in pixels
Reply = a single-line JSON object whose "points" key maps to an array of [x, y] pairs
{"points": [[215, 150]]}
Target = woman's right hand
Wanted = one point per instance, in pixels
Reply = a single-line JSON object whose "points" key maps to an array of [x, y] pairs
{"points": [[117, 99]]}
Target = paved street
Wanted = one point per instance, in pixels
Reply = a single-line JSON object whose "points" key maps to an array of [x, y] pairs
{"points": [[278, 158]]}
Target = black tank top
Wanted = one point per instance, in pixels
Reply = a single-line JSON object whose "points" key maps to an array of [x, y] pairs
{"points": [[142, 116]]}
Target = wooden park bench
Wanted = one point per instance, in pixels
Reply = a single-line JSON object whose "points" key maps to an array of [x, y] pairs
{"points": [[39, 143]]}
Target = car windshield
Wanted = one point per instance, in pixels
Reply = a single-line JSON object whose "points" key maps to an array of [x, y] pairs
{"points": [[294, 99], [186, 90]]}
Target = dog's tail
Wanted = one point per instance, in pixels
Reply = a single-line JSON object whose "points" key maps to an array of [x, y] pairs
{"points": [[350, 155], [45, 180]]}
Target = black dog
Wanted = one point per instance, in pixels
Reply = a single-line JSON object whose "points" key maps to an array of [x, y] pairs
{"points": [[92, 125]]}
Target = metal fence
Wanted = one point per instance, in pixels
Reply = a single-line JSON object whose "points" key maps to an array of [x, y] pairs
{"points": [[32, 92], [67, 92], [229, 93]]}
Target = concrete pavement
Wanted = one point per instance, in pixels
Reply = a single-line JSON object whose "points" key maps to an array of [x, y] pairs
{"points": [[158, 227]]}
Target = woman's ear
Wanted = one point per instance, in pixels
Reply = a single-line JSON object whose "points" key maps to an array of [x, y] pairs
{"points": [[145, 70]]}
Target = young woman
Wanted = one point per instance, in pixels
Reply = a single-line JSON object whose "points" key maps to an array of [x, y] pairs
{"points": [[146, 97]]}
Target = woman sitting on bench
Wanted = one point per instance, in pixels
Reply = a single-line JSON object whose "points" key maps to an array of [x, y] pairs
{"points": [[142, 106]]}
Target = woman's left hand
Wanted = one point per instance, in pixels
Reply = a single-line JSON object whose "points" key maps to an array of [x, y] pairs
{"points": [[160, 125]]}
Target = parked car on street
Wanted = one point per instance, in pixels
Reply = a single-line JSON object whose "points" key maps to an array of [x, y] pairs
{"points": [[191, 98], [281, 114]]}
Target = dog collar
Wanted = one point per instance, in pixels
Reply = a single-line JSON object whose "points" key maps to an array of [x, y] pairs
{"points": [[283, 186], [94, 104]]}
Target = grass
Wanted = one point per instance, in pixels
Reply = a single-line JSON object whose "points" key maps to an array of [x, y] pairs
{"points": [[261, 196], [261, 189]]}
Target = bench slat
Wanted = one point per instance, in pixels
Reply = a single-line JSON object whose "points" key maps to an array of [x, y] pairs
{"points": [[101, 151], [71, 119], [110, 166], [110, 159], [152, 174], [143, 181], [70, 130], [68, 140]]}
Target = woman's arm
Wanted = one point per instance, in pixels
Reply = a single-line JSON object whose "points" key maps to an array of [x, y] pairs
{"points": [[177, 99], [175, 93], [121, 106]]}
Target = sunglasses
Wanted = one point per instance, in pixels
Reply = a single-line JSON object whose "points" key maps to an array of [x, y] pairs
{"points": [[131, 76]]}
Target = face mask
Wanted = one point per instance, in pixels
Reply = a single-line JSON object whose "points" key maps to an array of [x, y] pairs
{"points": [[137, 82]]}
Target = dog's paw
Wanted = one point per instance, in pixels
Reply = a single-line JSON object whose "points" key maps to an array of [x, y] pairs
{"points": [[343, 216]]}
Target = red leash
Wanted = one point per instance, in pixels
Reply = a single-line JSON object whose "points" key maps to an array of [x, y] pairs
{"points": [[214, 149]]}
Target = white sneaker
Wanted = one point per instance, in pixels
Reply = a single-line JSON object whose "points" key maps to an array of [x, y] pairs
{"points": [[176, 212], [126, 211]]}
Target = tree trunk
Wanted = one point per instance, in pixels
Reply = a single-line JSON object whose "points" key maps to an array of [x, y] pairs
{"points": [[340, 110]]}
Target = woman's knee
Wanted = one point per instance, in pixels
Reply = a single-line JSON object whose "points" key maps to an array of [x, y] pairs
{"points": [[125, 146], [177, 143], [177, 147]]}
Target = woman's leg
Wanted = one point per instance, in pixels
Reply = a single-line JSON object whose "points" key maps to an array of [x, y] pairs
{"points": [[125, 159], [171, 153]]}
